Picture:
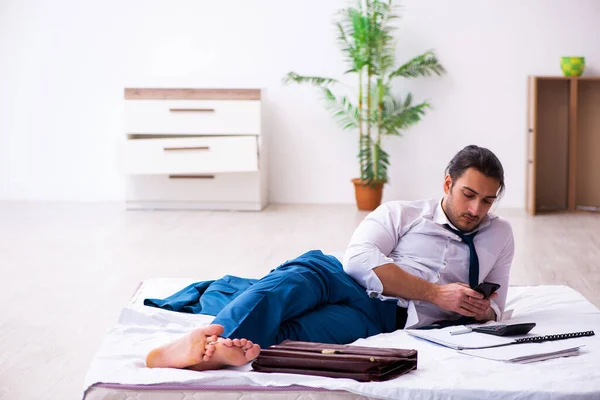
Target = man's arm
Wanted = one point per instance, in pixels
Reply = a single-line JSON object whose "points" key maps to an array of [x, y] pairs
{"points": [[367, 261], [456, 297], [372, 242]]}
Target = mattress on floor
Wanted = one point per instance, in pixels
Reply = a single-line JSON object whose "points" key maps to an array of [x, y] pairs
{"points": [[193, 392], [118, 371]]}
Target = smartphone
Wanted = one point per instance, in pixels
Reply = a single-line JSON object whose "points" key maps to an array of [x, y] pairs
{"points": [[487, 288]]}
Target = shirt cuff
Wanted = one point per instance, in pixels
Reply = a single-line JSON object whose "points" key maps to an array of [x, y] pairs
{"points": [[496, 310], [360, 266], [373, 284]]}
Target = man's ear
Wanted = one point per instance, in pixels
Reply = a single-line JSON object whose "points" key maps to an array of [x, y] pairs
{"points": [[447, 183]]}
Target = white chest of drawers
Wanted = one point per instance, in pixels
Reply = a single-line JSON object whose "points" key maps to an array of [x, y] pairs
{"points": [[194, 149]]}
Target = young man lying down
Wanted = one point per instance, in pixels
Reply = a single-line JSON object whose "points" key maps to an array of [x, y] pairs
{"points": [[408, 264]]}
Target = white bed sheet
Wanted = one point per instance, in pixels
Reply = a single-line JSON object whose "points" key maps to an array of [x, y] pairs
{"points": [[441, 372]]}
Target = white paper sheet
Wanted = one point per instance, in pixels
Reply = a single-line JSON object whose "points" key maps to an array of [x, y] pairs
{"points": [[527, 352], [459, 342]]}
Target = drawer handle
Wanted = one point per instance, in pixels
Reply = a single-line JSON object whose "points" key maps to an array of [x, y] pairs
{"points": [[192, 109], [206, 148], [191, 177]]}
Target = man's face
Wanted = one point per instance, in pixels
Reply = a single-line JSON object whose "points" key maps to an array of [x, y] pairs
{"points": [[468, 199]]}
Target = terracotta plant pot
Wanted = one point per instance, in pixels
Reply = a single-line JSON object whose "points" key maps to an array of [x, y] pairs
{"points": [[368, 196]]}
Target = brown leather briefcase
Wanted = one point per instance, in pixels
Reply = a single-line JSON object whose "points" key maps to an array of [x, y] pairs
{"points": [[363, 364]]}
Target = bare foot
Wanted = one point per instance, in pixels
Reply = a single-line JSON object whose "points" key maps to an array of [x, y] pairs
{"points": [[191, 349], [233, 352]]}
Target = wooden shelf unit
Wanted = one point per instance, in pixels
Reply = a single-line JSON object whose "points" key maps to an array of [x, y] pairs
{"points": [[563, 144]]}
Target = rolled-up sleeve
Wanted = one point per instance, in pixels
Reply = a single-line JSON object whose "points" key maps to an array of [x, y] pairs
{"points": [[370, 246]]}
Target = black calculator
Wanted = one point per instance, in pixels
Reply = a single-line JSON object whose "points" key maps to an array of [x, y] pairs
{"points": [[505, 330]]}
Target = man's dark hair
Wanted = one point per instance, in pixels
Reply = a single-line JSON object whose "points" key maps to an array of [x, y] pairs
{"points": [[479, 158]]}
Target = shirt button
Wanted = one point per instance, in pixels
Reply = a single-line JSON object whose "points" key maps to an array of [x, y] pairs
{"points": [[373, 295]]}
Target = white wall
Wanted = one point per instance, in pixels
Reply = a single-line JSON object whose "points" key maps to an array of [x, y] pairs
{"points": [[64, 64]]}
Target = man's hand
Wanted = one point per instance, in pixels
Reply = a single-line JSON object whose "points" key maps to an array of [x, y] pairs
{"points": [[456, 297], [460, 298], [490, 314]]}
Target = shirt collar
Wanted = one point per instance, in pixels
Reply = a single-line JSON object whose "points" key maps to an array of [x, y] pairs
{"points": [[440, 218]]}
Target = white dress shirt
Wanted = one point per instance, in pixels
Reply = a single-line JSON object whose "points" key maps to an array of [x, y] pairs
{"points": [[412, 236]]}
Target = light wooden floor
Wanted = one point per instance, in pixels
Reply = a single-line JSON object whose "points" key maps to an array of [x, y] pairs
{"points": [[67, 269]]}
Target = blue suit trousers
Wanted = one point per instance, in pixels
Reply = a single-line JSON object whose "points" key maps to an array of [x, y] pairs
{"points": [[309, 298]]}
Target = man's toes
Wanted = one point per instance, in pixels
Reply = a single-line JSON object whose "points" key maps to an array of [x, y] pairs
{"points": [[252, 353], [212, 339], [248, 345], [209, 349], [237, 343], [208, 352], [226, 341], [243, 342], [213, 330]]}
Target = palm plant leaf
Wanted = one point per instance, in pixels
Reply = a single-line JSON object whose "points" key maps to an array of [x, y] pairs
{"points": [[383, 162], [400, 115], [344, 112], [426, 64], [382, 37], [349, 49], [353, 37], [313, 80]]}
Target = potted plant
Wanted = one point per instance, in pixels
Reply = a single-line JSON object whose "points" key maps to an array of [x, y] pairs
{"points": [[365, 36]]}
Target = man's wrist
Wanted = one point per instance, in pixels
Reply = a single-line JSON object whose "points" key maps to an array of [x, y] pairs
{"points": [[491, 314], [431, 293]]}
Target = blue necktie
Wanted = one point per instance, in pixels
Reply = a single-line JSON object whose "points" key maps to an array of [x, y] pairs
{"points": [[473, 259]]}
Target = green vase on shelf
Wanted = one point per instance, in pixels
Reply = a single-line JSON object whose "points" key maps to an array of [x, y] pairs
{"points": [[572, 66]]}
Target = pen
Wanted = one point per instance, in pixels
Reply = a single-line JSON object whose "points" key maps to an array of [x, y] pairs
{"points": [[460, 332]]}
